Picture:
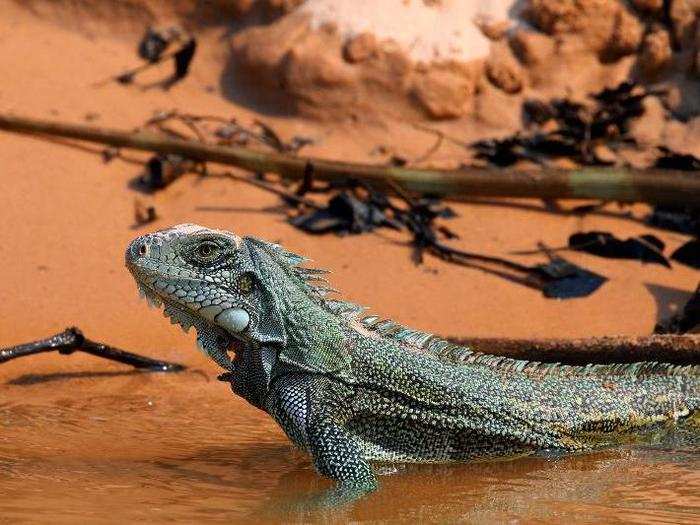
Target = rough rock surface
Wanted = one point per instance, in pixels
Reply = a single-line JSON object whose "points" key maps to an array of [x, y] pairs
{"points": [[360, 48], [656, 54], [607, 27], [683, 15], [571, 49], [648, 6], [503, 70], [532, 47], [575, 47], [444, 91]]}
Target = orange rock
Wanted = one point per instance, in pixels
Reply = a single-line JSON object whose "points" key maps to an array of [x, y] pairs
{"points": [[531, 47], [627, 34], [304, 67], [284, 6], [684, 16], [360, 48], [607, 26], [444, 92], [304, 70], [493, 29], [503, 70], [649, 6], [656, 53], [242, 7], [259, 51]]}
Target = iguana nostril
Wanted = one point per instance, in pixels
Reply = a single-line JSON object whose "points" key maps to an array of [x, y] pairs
{"points": [[143, 249]]}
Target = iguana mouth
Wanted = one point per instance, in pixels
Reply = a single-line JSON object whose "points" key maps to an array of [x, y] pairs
{"points": [[207, 332], [177, 316]]}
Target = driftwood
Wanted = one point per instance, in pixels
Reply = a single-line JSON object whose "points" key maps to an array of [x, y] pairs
{"points": [[676, 349], [611, 184]]}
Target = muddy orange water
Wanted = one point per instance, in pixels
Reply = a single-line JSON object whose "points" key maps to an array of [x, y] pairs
{"points": [[118, 448], [86, 440]]}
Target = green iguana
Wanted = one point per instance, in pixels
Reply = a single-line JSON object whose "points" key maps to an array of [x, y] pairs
{"points": [[351, 389]]}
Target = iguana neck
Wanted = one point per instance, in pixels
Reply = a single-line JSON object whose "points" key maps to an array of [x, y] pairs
{"points": [[315, 337]]}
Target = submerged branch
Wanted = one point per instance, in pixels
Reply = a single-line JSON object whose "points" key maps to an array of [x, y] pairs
{"points": [[617, 184]]}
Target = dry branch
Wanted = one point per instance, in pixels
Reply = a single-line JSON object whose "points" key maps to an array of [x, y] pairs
{"points": [[613, 184], [72, 340], [677, 349]]}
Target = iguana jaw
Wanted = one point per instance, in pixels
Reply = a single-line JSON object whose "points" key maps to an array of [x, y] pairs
{"points": [[212, 340]]}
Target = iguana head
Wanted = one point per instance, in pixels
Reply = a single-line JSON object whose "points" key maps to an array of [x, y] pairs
{"points": [[236, 292]]}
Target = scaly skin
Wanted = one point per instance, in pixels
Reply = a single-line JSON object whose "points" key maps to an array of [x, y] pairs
{"points": [[351, 390]]}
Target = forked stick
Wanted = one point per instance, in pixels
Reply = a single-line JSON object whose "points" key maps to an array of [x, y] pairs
{"points": [[72, 340]]}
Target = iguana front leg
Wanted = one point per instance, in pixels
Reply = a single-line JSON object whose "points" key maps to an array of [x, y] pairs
{"points": [[250, 374], [312, 410], [337, 456]]}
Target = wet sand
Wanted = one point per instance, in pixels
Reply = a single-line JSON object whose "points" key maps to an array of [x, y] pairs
{"points": [[85, 439]]}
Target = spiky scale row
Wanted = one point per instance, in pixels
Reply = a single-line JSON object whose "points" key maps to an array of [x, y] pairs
{"points": [[461, 354], [344, 309]]}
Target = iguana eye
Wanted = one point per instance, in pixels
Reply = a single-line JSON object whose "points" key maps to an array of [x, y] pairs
{"points": [[207, 250]]}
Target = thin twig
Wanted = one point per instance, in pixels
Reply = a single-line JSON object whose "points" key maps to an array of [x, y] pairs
{"points": [[161, 126], [439, 133], [453, 253], [430, 151], [268, 187], [193, 127], [443, 251], [129, 73], [190, 118]]}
